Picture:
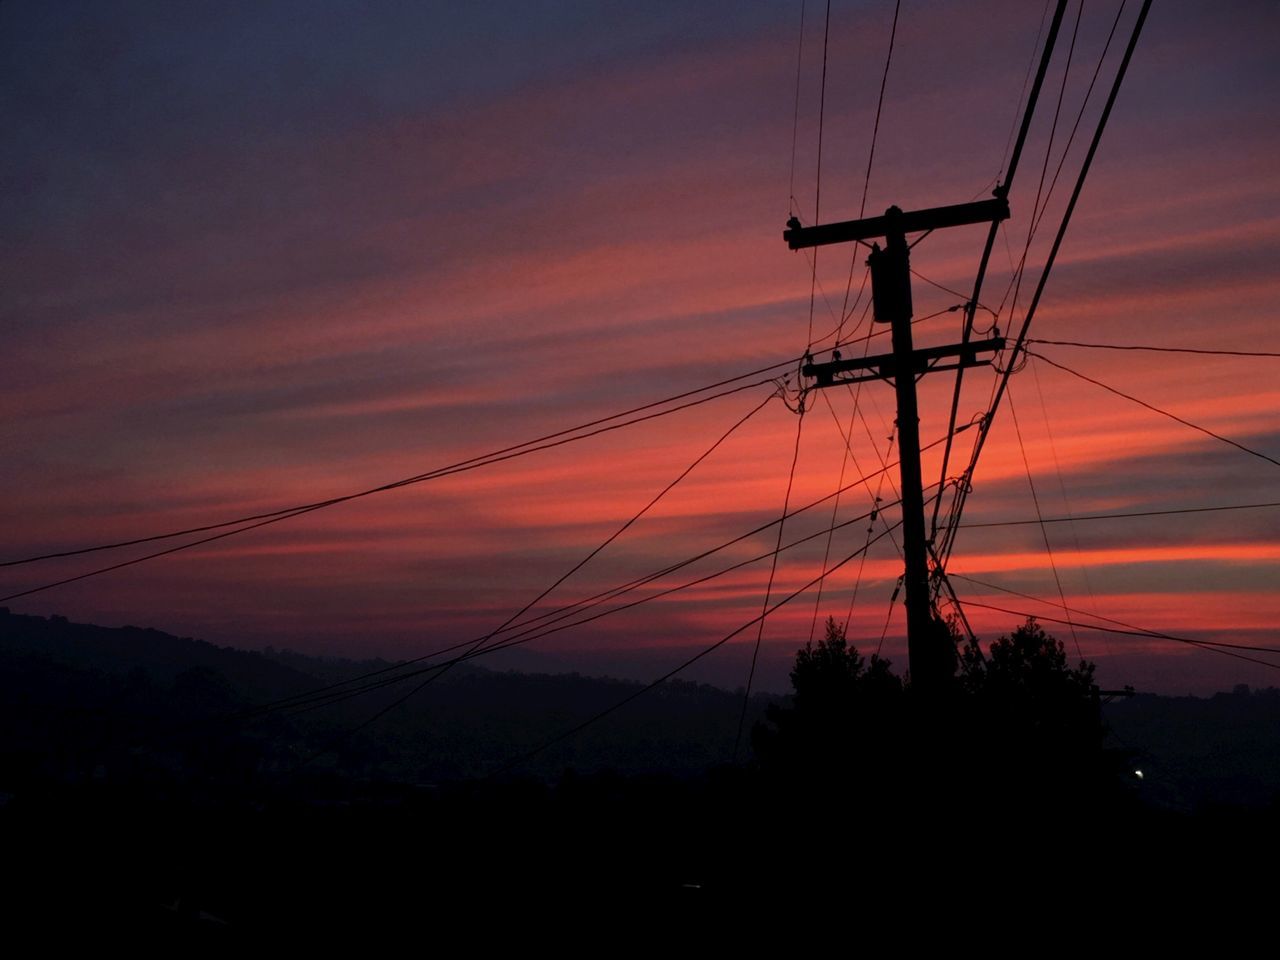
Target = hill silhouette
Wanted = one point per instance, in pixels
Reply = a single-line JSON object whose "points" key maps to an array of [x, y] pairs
{"points": [[469, 721], [130, 794]]}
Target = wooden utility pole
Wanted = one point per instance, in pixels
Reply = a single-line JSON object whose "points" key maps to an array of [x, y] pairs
{"points": [[931, 660]]}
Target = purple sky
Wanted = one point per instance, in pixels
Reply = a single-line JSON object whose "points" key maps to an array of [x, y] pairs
{"points": [[265, 254]]}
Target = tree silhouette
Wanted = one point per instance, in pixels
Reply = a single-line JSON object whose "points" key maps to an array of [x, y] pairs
{"points": [[1039, 720], [844, 715], [1020, 728]]}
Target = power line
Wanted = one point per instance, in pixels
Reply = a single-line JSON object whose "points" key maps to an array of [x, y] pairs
{"points": [[1118, 516], [1118, 346], [1198, 644], [846, 455], [792, 203], [484, 459], [1044, 534], [773, 569], [1022, 92], [875, 128], [478, 644], [1001, 190], [1152, 407], [817, 187], [871, 153], [1002, 382], [1062, 485], [475, 463], [862, 561], [1209, 645], [1036, 208], [955, 293], [1084, 103], [330, 695], [1134, 629], [569, 609], [1038, 215], [524, 757]]}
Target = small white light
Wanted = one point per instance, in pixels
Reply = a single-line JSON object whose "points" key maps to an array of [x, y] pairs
{"points": [[1138, 774]]}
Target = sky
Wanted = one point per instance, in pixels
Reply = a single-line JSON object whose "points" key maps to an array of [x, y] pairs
{"points": [[257, 255]]}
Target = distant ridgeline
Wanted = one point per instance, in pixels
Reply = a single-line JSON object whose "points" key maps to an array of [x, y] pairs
{"points": [[142, 784], [81, 702], [76, 698]]}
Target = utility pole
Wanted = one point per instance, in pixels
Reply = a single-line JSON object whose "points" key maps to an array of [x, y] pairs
{"points": [[930, 658]]}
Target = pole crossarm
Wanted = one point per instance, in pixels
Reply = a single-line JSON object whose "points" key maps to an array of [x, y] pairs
{"points": [[885, 365], [933, 218]]}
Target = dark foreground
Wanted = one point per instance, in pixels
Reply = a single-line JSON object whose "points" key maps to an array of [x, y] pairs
{"points": [[323, 858], [145, 799]]}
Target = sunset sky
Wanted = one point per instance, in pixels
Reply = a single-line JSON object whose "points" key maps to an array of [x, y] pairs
{"points": [[257, 255]]}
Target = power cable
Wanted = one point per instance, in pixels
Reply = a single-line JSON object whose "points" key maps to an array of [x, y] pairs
{"points": [[1140, 631], [524, 757], [1002, 382], [817, 188], [330, 696], [862, 561], [515, 617], [1038, 209], [563, 612], [462, 467], [1192, 350], [1001, 191], [1202, 645], [1119, 516], [768, 590], [1152, 407], [1044, 534], [485, 459], [1062, 484], [871, 153], [792, 202]]}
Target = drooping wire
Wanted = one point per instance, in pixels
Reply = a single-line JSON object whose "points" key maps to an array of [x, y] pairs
{"points": [[875, 128], [817, 188], [1003, 380], [1084, 103], [563, 612], [1016, 271], [1142, 631], [514, 618], [596, 718], [473, 464], [330, 695], [884, 631], [481, 460], [835, 510], [1062, 485], [768, 590], [792, 203], [871, 152], [1081, 518], [1001, 191], [1044, 533], [1208, 645], [1152, 407], [1037, 210], [862, 562], [1191, 350], [955, 293], [1026, 79], [844, 462]]}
